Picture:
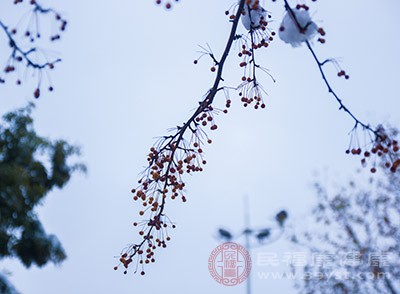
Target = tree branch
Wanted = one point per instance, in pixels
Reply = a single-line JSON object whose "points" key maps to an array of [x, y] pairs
{"points": [[320, 67], [18, 55], [24, 54], [166, 160]]}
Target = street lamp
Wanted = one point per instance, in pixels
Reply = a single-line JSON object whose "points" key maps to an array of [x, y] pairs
{"points": [[255, 237]]}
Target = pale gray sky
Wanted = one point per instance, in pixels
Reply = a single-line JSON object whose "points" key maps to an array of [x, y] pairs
{"points": [[128, 75]]}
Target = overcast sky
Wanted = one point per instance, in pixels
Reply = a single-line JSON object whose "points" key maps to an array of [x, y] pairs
{"points": [[127, 76]]}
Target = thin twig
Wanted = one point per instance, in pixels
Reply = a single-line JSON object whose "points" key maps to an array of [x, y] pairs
{"points": [[24, 54], [323, 75], [330, 90]]}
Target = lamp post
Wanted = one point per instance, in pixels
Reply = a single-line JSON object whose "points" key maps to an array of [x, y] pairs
{"points": [[261, 236]]}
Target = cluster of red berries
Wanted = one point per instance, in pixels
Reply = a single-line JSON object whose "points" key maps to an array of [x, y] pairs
{"points": [[204, 119], [260, 35], [262, 40], [256, 99], [247, 54], [13, 67], [249, 89], [20, 58], [251, 94], [227, 105], [32, 31], [168, 162], [322, 34], [141, 255], [302, 6], [342, 73], [384, 148], [168, 5]]}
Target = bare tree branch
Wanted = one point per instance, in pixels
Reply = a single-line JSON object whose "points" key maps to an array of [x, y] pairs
{"points": [[19, 55]]}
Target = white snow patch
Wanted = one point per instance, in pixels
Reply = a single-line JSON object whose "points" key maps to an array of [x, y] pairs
{"points": [[289, 31], [252, 17]]}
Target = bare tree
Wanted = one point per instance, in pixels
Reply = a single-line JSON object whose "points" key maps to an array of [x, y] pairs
{"points": [[356, 238]]}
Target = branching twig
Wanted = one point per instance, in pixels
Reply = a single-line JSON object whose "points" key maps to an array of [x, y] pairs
{"points": [[330, 89], [320, 67], [18, 55], [24, 54], [383, 145], [165, 162]]}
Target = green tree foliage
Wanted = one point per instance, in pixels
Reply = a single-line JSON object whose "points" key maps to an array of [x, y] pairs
{"points": [[30, 167], [6, 287]]}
